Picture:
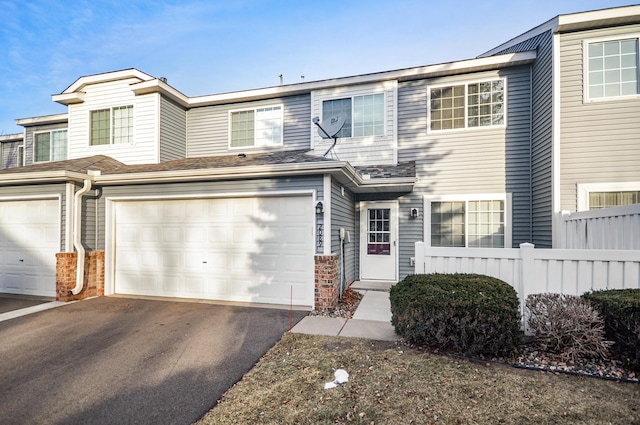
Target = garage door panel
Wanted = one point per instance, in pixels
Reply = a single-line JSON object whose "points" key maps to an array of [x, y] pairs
{"points": [[236, 249], [29, 241]]}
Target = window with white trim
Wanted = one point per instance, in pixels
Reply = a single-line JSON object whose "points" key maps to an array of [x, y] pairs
{"points": [[612, 68], [599, 200], [49, 146], [365, 114], [479, 223], [467, 105], [256, 127], [111, 126]]}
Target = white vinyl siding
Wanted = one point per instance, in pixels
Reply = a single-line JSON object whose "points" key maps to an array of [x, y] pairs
{"points": [[470, 105], [611, 68], [142, 146], [50, 146], [256, 127], [369, 135]]}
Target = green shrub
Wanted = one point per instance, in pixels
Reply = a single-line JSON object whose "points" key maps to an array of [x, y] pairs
{"points": [[467, 313], [620, 309], [567, 325]]}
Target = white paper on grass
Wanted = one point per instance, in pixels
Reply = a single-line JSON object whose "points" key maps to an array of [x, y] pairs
{"points": [[341, 376]]}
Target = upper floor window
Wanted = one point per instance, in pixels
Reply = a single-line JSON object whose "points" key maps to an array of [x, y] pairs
{"points": [[256, 127], [49, 146], [365, 114], [112, 125], [612, 68], [468, 105]]}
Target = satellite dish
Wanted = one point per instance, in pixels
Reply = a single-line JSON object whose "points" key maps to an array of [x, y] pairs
{"points": [[331, 126]]}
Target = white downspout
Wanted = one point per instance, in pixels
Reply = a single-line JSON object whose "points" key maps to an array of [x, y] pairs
{"points": [[77, 235]]}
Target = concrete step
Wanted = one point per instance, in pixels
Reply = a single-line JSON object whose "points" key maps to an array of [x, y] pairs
{"points": [[373, 285]]}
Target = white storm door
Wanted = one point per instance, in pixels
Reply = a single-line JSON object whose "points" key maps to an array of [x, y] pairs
{"points": [[378, 240]]}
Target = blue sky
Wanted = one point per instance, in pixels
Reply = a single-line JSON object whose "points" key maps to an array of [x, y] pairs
{"points": [[205, 47]]}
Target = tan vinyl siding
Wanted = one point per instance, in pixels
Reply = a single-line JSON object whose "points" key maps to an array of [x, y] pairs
{"points": [[173, 131], [485, 160], [208, 127], [599, 140]]}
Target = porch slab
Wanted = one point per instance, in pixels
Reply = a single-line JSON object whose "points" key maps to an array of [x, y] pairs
{"points": [[370, 329], [373, 285]]}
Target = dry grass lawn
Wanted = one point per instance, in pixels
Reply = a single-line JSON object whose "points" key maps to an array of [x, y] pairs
{"points": [[393, 384]]}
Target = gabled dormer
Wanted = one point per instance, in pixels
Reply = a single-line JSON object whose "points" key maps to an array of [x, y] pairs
{"points": [[108, 117]]}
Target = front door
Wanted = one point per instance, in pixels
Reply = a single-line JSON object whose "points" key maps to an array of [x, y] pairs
{"points": [[378, 240]]}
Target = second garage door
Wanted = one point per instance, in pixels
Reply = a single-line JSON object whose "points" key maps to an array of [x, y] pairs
{"points": [[256, 250]]}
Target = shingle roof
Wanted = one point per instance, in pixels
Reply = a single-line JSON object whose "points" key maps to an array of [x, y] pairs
{"points": [[108, 165], [403, 169], [80, 165], [239, 160]]}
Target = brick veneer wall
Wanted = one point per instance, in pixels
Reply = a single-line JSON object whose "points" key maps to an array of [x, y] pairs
{"points": [[326, 281], [66, 265]]}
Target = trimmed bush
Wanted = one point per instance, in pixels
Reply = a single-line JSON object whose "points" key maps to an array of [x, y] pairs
{"points": [[466, 313], [567, 325], [620, 309]]}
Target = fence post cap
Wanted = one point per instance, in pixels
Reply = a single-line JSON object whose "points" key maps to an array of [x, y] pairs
{"points": [[527, 245]]}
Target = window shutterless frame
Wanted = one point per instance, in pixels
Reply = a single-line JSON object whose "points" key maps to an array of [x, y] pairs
{"points": [[263, 125], [366, 116], [111, 126], [50, 145], [591, 66], [471, 111]]}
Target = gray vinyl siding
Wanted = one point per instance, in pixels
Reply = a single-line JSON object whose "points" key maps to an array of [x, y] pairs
{"points": [[44, 191], [28, 140], [90, 219], [198, 189], [542, 143], [599, 140], [173, 128], [488, 160], [208, 127], [343, 214], [9, 154]]}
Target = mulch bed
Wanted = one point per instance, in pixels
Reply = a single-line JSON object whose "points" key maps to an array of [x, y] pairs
{"points": [[530, 356]]}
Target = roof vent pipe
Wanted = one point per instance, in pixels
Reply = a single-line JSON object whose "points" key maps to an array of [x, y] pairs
{"points": [[77, 236]]}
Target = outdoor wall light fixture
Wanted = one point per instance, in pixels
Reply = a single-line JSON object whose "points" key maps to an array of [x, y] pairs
{"points": [[319, 208], [414, 213]]}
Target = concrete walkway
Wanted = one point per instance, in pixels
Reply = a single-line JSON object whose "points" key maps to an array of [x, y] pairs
{"points": [[371, 320]]}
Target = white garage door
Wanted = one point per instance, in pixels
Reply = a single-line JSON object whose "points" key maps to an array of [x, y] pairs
{"points": [[240, 249], [29, 241]]}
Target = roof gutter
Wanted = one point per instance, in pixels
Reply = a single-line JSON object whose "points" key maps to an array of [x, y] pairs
{"points": [[40, 176]]}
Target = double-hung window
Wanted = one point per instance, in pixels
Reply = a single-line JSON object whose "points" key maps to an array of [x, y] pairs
{"points": [[111, 126], [50, 146], [611, 68], [468, 223], [365, 114], [256, 127], [468, 105]]}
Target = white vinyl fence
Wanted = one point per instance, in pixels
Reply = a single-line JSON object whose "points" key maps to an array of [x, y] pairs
{"points": [[609, 228], [535, 271]]}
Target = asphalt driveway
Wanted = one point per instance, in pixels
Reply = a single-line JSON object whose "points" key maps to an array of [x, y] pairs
{"points": [[129, 361]]}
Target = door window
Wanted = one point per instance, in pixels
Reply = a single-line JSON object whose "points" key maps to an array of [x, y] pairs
{"points": [[379, 232]]}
